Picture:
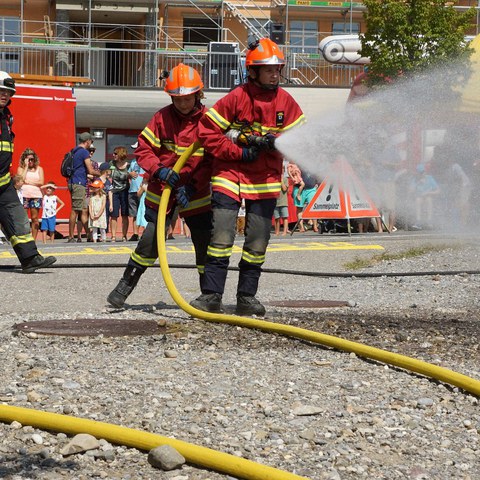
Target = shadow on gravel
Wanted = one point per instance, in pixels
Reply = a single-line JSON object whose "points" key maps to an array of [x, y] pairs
{"points": [[425, 335], [31, 464]]}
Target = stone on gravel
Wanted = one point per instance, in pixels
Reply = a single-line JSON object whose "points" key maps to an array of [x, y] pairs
{"points": [[165, 457], [80, 443]]}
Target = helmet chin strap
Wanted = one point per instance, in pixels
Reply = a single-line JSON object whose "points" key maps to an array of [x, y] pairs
{"points": [[265, 86]]}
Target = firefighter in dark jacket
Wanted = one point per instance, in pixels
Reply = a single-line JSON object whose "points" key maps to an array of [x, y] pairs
{"points": [[239, 131], [13, 218], [168, 134]]}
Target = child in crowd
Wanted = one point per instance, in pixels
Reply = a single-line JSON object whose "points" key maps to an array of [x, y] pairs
{"points": [[105, 171], [142, 193], [241, 219], [51, 205], [18, 182], [97, 221], [281, 208]]}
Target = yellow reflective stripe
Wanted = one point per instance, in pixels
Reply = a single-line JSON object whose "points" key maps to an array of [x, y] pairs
{"points": [[152, 197], [172, 147], [144, 262], [16, 239], [263, 129], [151, 137], [260, 188], [198, 203], [5, 179], [301, 119], [169, 145], [227, 184], [219, 252], [251, 258], [201, 269], [6, 146], [223, 123]]}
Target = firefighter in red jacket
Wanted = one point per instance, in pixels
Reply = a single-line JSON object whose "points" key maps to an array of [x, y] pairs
{"points": [[239, 131], [13, 219], [168, 134]]}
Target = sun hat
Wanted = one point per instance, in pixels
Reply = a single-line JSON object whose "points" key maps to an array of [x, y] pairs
{"points": [[97, 184]]}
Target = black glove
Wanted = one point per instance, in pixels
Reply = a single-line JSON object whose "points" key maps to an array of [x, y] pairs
{"points": [[184, 194], [167, 175], [267, 142], [249, 154]]}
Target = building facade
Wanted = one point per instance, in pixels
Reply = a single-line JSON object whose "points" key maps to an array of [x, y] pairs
{"points": [[119, 45]]}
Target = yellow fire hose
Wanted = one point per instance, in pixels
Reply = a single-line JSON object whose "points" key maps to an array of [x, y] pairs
{"points": [[427, 369], [201, 456]]}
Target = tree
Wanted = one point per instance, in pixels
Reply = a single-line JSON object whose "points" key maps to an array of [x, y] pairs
{"points": [[412, 37]]}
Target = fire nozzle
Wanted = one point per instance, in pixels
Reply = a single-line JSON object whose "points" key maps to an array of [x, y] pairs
{"points": [[266, 142], [243, 139]]}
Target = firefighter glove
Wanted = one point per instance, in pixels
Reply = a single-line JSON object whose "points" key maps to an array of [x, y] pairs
{"points": [[249, 154], [184, 194], [267, 142], [167, 175]]}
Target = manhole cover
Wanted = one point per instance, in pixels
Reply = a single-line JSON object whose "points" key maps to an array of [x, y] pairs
{"points": [[81, 327], [308, 303]]}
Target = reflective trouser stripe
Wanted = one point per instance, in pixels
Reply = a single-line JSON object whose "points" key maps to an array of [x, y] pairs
{"points": [[257, 235], [146, 252], [4, 179], [6, 146], [144, 262], [16, 239]]}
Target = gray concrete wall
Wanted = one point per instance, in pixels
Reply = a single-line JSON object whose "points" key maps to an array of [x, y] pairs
{"points": [[132, 109]]}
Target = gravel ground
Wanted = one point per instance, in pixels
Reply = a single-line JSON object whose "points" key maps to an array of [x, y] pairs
{"points": [[289, 404]]}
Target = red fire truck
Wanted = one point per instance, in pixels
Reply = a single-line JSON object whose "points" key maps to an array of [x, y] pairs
{"points": [[44, 120]]}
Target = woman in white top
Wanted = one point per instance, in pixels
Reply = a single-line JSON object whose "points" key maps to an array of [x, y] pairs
{"points": [[33, 177]]}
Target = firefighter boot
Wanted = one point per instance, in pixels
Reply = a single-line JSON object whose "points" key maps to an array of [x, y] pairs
{"points": [[36, 262], [208, 302], [249, 305], [125, 286]]}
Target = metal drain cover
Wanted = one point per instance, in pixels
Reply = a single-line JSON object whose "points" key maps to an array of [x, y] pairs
{"points": [[82, 327], [308, 303]]}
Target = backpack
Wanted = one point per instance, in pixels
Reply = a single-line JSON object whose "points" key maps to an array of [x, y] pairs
{"points": [[66, 168]]}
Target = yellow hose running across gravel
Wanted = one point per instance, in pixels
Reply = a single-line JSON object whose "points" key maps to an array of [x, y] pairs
{"points": [[201, 456], [205, 457], [448, 376]]}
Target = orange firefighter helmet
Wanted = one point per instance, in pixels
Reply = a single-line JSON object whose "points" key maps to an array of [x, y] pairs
{"points": [[266, 52], [183, 80]]}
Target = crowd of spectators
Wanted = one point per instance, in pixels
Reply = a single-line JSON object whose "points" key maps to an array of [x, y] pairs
{"points": [[114, 195], [100, 194]]}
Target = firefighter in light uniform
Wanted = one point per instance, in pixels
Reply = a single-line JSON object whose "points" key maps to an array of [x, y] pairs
{"points": [[13, 218], [250, 170], [168, 134]]}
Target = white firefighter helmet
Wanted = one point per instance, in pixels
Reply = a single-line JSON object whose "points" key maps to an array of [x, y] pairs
{"points": [[7, 82]]}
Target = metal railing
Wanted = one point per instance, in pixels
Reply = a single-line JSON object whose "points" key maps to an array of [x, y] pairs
{"points": [[132, 56]]}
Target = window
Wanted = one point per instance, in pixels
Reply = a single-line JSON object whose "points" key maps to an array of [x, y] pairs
{"points": [[304, 36], [10, 33], [10, 29], [199, 31], [342, 28]]}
